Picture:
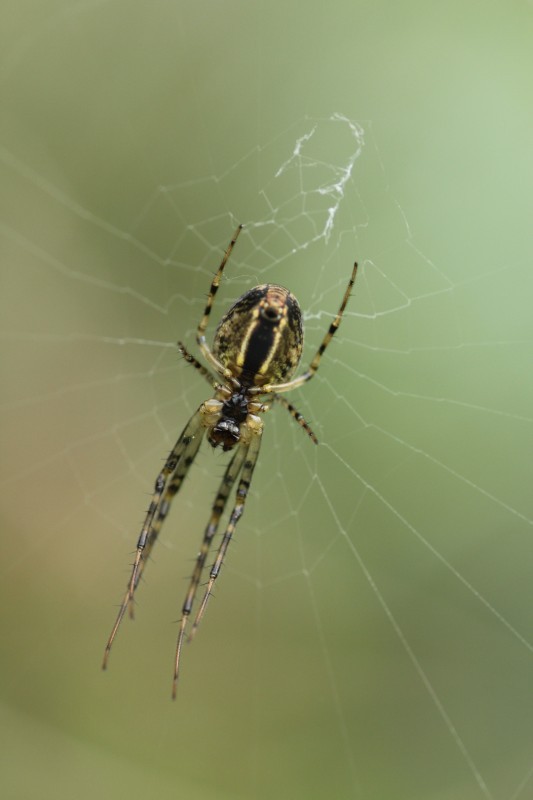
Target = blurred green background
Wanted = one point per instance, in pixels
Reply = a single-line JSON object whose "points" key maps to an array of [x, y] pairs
{"points": [[371, 632]]}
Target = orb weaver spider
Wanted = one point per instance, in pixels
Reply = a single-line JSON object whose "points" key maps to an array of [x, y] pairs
{"points": [[256, 349]]}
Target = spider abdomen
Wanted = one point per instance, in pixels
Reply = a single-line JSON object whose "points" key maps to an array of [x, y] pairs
{"points": [[260, 338]]}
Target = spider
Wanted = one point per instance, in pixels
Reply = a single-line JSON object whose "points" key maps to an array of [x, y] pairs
{"points": [[256, 349]]}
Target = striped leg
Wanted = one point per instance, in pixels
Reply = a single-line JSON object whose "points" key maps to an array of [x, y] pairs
{"points": [[313, 366], [332, 328], [251, 454], [230, 476], [295, 414], [200, 334], [177, 465], [190, 359], [164, 507]]}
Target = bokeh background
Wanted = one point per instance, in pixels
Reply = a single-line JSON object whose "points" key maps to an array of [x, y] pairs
{"points": [[371, 632]]}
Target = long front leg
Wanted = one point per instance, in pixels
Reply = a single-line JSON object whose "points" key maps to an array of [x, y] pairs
{"points": [[178, 462], [171, 491], [242, 493], [230, 476]]}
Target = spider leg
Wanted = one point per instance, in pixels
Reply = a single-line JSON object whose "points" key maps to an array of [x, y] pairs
{"points": [[178, 462], [230, 476], [172, 489], [164, 507], [200, 334], [190, 359], [295, 414], [251, 454], [315, 363]]}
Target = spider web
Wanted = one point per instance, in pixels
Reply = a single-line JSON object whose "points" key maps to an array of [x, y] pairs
{"points": [[370, 631]]}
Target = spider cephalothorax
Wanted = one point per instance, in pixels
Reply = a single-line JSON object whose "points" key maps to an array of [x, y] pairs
{"points": [[233, 412], [256, 350]]}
